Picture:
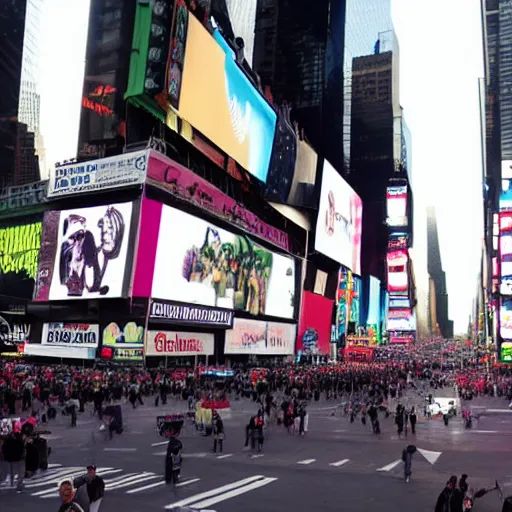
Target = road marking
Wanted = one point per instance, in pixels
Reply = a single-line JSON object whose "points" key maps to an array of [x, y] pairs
{"points": [[187, 455], [391, 466], [236, 492], [122, 479], [257, 456], [188, 482], [508, 411], [225, 456], [339, 463], [117, 478], [135, 481], [53, 495], [144, 488], [214, 492], [486, 431], [56, 479], [160, 444], [50, 466], [430, 456], [339, 431], [306, 461], [52, 489], [119, 449]]}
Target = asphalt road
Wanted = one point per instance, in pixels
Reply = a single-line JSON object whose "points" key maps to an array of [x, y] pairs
{"points": [[336, 465]]}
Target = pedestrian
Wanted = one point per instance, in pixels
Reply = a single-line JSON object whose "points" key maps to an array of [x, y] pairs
{"points": [[445, 499], [94, 487], [68, 498], [413, 419], [13, 451], [407, 454], [218, 432]]}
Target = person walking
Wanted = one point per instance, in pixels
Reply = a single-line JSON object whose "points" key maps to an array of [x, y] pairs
{"points": [[13, 451], [94, 487], [218, 432], [445, 499], [413, 419], [407, 454]]}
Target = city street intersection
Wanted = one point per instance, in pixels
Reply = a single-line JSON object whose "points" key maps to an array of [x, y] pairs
{"points": [[337, 464]]}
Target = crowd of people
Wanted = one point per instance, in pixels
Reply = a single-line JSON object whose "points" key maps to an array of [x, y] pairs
{"points": [[280, 395]]}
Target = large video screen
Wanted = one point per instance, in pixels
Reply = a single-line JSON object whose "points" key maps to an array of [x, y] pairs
{"points": [[397, 206], [19, 254], [218, 99], [84, 253], [398, 279], [374, 302], [339, 224], [198, 262]]}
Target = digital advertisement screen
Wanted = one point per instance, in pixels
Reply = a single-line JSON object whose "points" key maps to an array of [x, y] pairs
{"points": [[399, 302], [398, 279], [397, 206], [506, 245], [506, 319], [401, 320], [199, 263], [374, 302], [123, 341], [506, 352], [84, 253], [339, 224], [19, 255], [505, 222], [314, 332], [230, 111]]}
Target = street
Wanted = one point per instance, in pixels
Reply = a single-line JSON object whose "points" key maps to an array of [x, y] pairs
{"points": [[337, 464]]}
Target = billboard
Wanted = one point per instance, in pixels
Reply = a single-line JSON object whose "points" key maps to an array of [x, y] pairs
{"points": [[123, 341], [188, 186], [396, 202], [59, 351], [98, 175], [230, 111], [505, 247], [164, 343], [506, 169], [199, 263], [71, 335], [339, 224], [84, 253], [374, 302], [189, 314], [19, 256], [314, 333], [398, 279], [401, 320], [260, 338]]}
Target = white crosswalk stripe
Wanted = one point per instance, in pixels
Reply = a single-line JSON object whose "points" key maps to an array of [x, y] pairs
{"points": [[306, 462], [206, 499], [339, 463]]}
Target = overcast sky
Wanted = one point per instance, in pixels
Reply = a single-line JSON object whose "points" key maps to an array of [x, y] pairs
{"points": [[441, 61]]}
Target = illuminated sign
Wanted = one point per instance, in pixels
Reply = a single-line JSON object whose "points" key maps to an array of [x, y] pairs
{"points": [[19, 249], [397, 206], [398, 243], [97, 107], [31, 194]]}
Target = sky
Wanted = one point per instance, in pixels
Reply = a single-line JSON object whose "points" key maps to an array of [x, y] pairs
{"points": [[440, 63]]}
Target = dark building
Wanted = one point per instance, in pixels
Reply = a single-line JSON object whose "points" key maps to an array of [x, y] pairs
{"points": [[17, 151], [438, 278], [109, 41], [298, 53]]}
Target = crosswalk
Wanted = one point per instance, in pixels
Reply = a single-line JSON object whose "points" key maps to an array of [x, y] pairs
{"points": [[45, 484]]}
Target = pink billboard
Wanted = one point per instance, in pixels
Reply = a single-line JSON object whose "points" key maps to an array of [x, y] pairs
{"points": [[398, 281], [184, 184]]}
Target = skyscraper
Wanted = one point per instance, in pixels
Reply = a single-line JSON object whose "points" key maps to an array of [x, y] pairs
{"points": [[298, 53], [439, 307], [18, 43]]}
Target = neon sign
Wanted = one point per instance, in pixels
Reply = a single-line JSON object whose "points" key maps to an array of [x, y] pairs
{"points": [[19, 249], [99, 108]]}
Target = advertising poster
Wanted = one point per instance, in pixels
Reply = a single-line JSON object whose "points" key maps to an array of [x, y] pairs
{"points": [[165, 343], [187, 314], [197, 262], [246, 337], [14, 329], [401, 340], [230, 111], [397, 206], [84, 253], [98, 175], [355, 309], [71, 334], [314, 330], [339, 224], [398, 280], [505, 246], [124, 341], [23, 196], [19, 256], [260, 338]]}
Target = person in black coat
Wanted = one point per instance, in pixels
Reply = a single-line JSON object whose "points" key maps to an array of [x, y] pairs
{"points": [[445, 499], [173, 460], [95, 487], [13, 450]]}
